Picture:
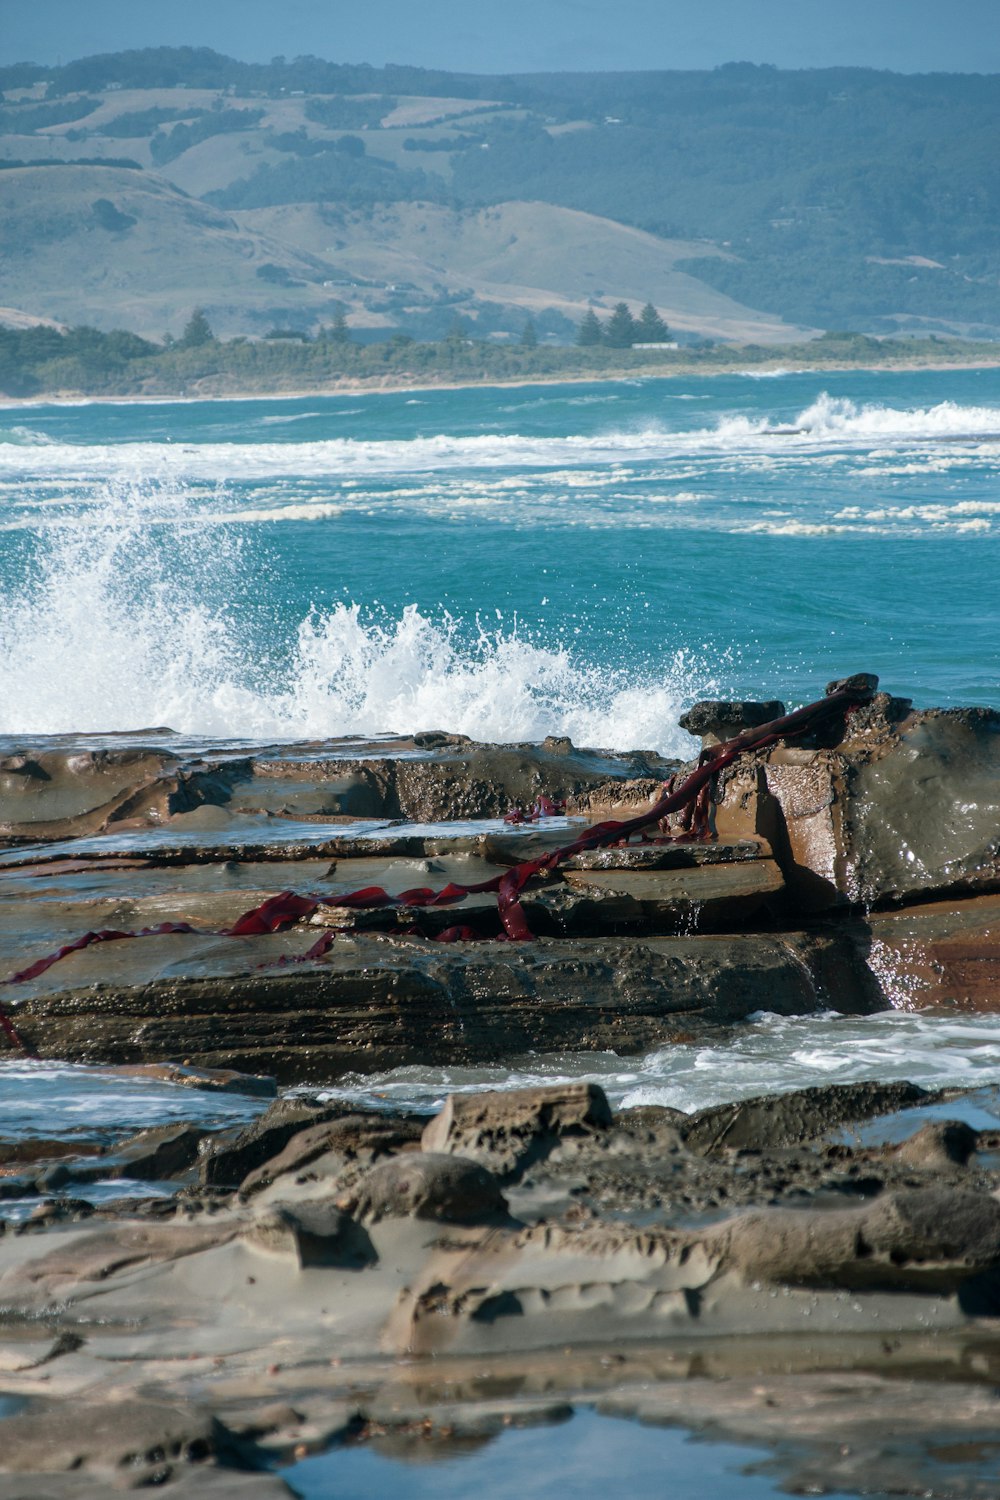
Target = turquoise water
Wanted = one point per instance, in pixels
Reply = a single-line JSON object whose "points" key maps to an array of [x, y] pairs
{"points": [[505, 562], [508, 563]]}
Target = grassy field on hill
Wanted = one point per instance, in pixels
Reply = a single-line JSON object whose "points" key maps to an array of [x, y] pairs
{"points": [[746, 203]]}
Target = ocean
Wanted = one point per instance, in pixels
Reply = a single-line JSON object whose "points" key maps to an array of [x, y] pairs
{"points": [[581, 559]]}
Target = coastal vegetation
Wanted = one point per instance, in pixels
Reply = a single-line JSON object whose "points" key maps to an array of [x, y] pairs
{"points": [[43, 360]]}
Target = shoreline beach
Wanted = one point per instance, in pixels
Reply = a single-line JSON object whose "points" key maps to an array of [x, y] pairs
{"points": [[394, 385]]}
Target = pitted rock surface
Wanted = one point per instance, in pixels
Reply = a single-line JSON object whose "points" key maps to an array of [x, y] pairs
{"points": [[510, 1131]]}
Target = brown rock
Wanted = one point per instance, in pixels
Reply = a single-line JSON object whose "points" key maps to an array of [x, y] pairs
{"points": [[158, 1153], [353, 1139], [789, 1119], [704, 898], [510, 1131], [375, 1003], [715, 720], [938, 1238], [230, 1160], [939, 1144], [940, 953], [898, 810], [212, 1080]]}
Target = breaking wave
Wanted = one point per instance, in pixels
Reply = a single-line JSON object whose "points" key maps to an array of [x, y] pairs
{"points": [[769, 1054], [828, 422], [835, 418], [113, 628]]}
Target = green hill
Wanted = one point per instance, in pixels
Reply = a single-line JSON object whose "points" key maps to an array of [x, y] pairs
{"points": [[743, 202]]}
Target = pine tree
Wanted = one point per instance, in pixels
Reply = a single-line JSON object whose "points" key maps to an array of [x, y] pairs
{"points": [[590, 330], [196, 331], [621, 330], [529, 335], [338, 332], [650, 327]]}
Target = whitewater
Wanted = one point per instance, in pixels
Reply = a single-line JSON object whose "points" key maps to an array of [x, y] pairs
{"points": [[508, 564], [500, 563]]}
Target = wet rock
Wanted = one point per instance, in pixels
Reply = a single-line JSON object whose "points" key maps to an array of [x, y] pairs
{"points": [[511, 1131], [24, 1151], [940, 952], [53, 1179], [620, 799], [374, 1003], [843, 1431], [896, 811], [792, 1118], [61, 793], [316, 1234], [156, 1154], [427, 1185], [667, 856], [56, 1211], [211, 1080], [238, 1153], [716, 720], [863, 684], [705, 898]]}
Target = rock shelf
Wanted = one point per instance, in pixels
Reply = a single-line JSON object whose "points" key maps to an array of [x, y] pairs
{"points": [[546, 1252], [802, 1271], [854, 868]]}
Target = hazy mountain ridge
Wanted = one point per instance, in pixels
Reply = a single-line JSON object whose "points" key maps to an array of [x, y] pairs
{"points": [[745, 203]]}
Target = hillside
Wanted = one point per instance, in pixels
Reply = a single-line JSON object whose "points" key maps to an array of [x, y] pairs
{"points": [[745, 203], [120, 248], [529, 256]]}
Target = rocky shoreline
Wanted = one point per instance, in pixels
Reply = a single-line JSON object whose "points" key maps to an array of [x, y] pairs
{"points": [[807, 1271]]}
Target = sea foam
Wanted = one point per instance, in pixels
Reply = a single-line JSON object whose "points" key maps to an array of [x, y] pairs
{"points": [[111, 630], [828, 421]]}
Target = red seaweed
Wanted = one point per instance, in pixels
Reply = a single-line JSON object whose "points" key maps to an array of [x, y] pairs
{"points": [[692, 798]]}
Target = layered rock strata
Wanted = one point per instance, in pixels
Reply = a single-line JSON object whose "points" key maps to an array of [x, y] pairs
{"points": [[853, 868]]}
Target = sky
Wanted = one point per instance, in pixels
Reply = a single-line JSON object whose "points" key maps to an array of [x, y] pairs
{"points": [[487, 36]]}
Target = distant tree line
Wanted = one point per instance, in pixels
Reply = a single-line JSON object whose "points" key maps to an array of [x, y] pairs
{"points": [[341, 173], [25, 119], [338, 113], [203, 68], [621, 330], [39, 360], [8, 164], [172, 143]]}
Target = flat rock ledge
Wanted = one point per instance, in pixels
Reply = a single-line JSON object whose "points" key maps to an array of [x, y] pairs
{"points": [[854, 872]]}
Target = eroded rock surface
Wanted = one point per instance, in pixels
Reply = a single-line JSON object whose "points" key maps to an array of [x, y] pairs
{"points": [[223, 1335]]}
